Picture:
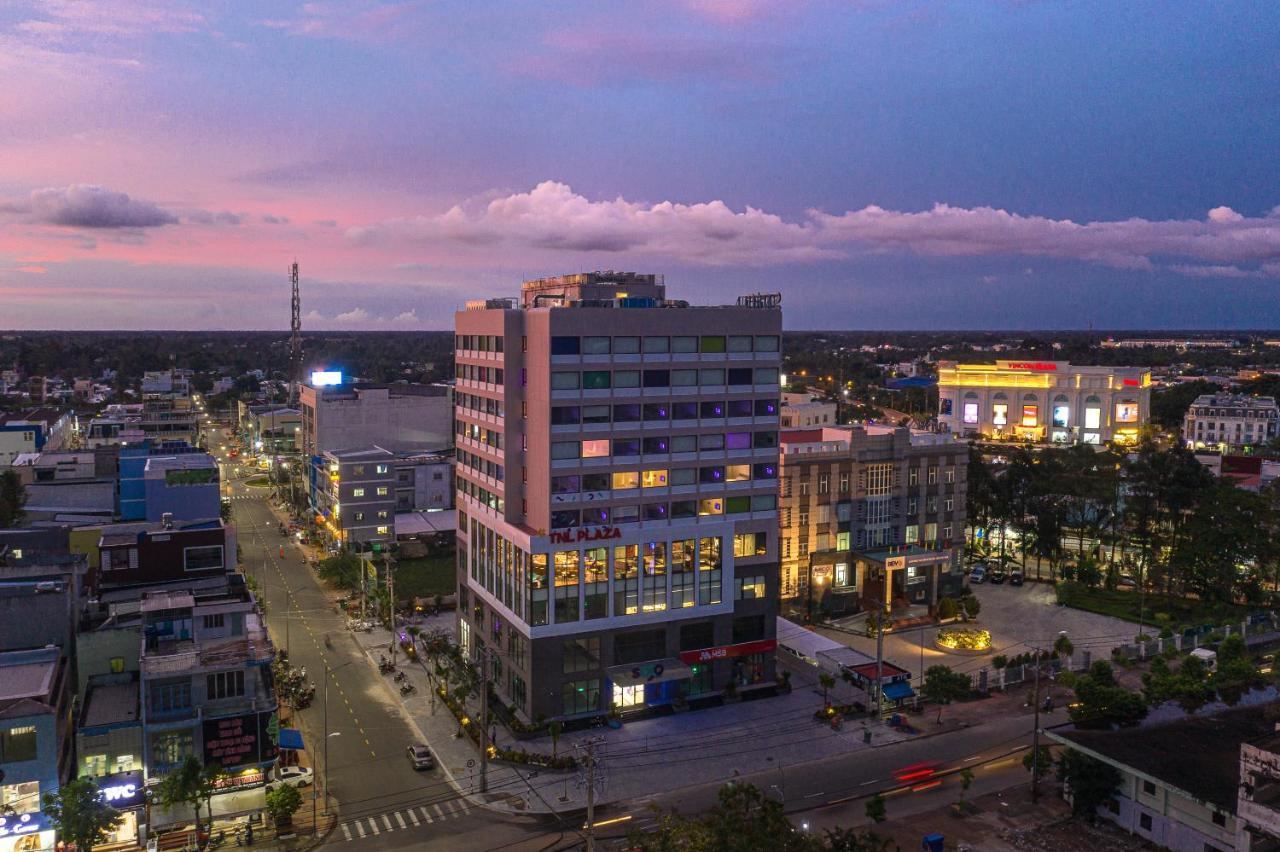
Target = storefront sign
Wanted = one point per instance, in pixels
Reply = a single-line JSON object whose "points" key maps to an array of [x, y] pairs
{"points": [[1038, 366], [585, 534], [725, 652], [239, 740], [15, 825], [123, 790]]}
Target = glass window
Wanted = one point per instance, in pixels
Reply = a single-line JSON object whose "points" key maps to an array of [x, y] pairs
{"points": [[766, 470], [626, 446], [766, 376], [766, 407], [595, 346], [737, 473], [711, 343], [740, 343], [657, 378], [564, 346], [655, 445], [738, 441], [626, 379], [626, 413], [580, 696], [565, 484], [766, 343], [656, 478], [595, 414], [684, 443], [595, 449], [712, 506], [684, 411], [595, 482], [737, 505], [561, 380], [625, 514], [655, 511], [567, 568], [711, 475], [740, 408], [711, 442], [564, 449], [684, 344], [739, 376], [711, 377], [656, 345], [596, 379], [764, 440], [684, 509], [711, 410], [626, 345], [626, 479], [654, 411], [684, 378], [1000, 414], [566, 415], [566, 519], [764, 502]]}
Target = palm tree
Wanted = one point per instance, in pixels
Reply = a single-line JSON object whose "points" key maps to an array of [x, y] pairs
{"points": [[827, 682]]}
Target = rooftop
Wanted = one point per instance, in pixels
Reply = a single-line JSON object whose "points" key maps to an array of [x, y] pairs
{"points": [[117, 534], [1199, 755], [110, 704], [47, 416], [27, 674], [1236, 400]]}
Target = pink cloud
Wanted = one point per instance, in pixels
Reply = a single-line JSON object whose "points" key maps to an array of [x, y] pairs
{"points": [[553, 218], [64, 18], [363, 21]]}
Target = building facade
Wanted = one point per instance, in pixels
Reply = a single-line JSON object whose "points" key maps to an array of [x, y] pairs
{"points": [[1230, 421], [869, 490], [35, 743], [1043, 401], [799, 411], [355, 496], [394, 417], [617, 495], [35, 431]]}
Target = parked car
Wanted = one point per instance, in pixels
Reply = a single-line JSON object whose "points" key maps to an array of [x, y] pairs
{"points": [[978, 574], [420, 757], [292, 776], [1126, 581], [1015, 578], [997, 575]]}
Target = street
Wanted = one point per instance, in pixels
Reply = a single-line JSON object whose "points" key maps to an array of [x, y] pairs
{"points": [[382, 801]]}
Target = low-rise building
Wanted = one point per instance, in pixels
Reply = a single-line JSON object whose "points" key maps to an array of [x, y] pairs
{"points": [[1258, 797], [1180, 781], [875, 491], [149, 552], [1043, 401], [398, 417], [183, 486], [1229, 421], [35, 744], [799, 411], [134, 485], [424, 482], [34, 431]]}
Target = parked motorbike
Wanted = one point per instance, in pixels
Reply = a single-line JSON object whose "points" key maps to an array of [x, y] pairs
{"points": [[407, 689], [385, 666], [400, 677]]}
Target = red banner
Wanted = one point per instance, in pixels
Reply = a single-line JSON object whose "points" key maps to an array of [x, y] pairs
{"points": [[725, 652]]}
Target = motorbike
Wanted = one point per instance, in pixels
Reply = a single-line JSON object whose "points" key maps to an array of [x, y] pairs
{"points": [[407, 689], [386, 666], [400, 677]]}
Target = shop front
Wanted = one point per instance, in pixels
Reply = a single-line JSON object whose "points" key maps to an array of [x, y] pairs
{"points": [[654, 683], [748, 660], [126, 792], [25, 832]]}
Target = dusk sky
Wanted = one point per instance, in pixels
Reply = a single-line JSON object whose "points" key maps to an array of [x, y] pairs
{"points": [[882, 164]]}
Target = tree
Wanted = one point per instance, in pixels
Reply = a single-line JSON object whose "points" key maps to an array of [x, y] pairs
{"points": [[972, 606], [1039, 762], [1062, 647], [947, 608], [826, 681], [876, 809], [1091, 782], [1236, 674], [943, 685], [966, 781], [852, 840], [1103, 703], [13, 497], [191, 784], [555, 728], [1188, 687], [342, 570], [742, 819], [79, 814], [282, 803]]}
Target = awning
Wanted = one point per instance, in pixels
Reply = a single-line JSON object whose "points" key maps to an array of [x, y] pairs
{"points": [[654, 671], [291, 738], [897, 690]]}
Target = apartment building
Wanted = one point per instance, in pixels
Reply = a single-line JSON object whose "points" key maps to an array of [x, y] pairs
{"points": [[875, 500], [1230, 421], [617, 495], [1044, 401], [35, 744], [424, 482], [355, 496], [800, 411], [40, 430]]}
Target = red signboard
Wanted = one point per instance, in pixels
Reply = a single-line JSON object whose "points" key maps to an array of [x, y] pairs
{"points": [[586, 534], [725, 652], [1132, 383], [1040, 366]]}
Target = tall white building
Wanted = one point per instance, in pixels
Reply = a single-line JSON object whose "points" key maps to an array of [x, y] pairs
{"points": [[1230, 420]]}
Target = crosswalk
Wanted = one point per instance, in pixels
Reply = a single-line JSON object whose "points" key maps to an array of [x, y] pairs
{"points": [[406, 818]]}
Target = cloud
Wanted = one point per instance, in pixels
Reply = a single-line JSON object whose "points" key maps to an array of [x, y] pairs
{"points": [[62, 18], [84, 206], [356, 20], [410, 317], [353, 315], [208, 217], [553, 218], [275, 220]]}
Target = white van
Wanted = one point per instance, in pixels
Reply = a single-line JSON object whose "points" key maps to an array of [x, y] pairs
{"points": [[1206, 656]]}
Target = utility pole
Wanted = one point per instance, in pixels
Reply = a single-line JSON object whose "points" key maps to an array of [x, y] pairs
{"points": [[590, 767], [295, 337], [880, 658], [484, 720], [391, 595], [1035, 733]]}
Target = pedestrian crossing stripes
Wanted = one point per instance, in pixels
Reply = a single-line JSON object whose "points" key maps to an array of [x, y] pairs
{"points": [[407, 818]]}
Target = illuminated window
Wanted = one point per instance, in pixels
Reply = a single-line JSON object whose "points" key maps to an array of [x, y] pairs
{"points": [[737, 473], [384, 530], [1061, 415], [357, 492], [628, 696], [1000, 414], [1030, 415], [653, 478], [970, 412], [1092, 417], [1126, 412], [714, 506], [628, 479], [595, 449], [382, 491]]}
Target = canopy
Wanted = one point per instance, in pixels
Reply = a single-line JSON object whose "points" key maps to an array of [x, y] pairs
{"points": [[291, 738], [897, 690]]}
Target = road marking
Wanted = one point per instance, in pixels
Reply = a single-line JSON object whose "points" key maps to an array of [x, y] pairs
{"points": [[426, 814], [387, 821], [360, 829], [439, 812], [346, 831], [464, 805], [413, 818], [865, 783], [454, 809], [400, 820]]}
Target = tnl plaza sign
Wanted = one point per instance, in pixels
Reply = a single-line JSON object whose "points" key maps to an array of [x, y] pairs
{"points": [[584, 534]]}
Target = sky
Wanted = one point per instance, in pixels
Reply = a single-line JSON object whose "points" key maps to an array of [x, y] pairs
{"points": [[884, 165]]}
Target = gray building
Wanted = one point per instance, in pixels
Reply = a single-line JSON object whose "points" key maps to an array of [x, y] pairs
{"points": [[355, 494], [395, 417], [1231, 421]]}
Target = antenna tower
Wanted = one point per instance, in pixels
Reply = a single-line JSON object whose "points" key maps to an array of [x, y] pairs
{"points": [[295, 338]]}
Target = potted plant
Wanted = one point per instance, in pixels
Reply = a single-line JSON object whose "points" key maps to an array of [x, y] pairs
{"points": [[784, 681], [731, 690], [681, 702]]}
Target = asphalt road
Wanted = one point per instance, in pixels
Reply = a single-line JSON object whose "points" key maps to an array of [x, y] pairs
{"points": [[383, 803]]}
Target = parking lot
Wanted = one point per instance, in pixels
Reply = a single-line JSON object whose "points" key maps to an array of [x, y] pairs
{"points": [[1019, 618]]}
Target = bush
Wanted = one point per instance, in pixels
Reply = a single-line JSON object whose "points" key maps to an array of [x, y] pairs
{"points": [[947, 608]]}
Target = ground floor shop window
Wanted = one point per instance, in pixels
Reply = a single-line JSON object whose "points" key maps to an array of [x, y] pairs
{"points": [[700, 683], [580, 696], [748, 670], [628, 696]]}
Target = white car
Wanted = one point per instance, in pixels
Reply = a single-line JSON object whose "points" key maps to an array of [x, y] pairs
{"points": [[293, 776]]}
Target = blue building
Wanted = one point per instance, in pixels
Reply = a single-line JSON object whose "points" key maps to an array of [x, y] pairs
{"points": [[35, 749], [158, 478]]}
